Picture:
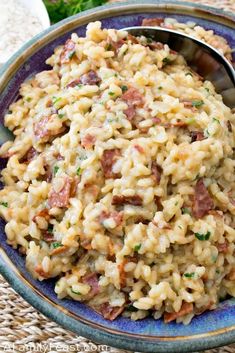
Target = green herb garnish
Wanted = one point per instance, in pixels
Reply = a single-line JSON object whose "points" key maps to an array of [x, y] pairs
{"points": [[61, 115], [131, 308], [28, 99], [203, 237], [4, 204], [186, 210], [207, 89], [166, 60], [60, 9], [73, 291], [137, 247], [216, 120], [160, 87], [189, 275], [55, 170], [56, 245], [111, 93], [149, 40], [55, 100], [79, 171], [206, 133], [124, 88], [109, 47], [197, 104]]}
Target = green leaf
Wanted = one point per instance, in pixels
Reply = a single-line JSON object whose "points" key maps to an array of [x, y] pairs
{"points": [[79, 171], [4, 204], [28, 99], [73, 291], [197, 104], [160, 87], [55, 100], [61, 115], [71, 55], [124, 88], [56, 245], [186, 210], [111, 93], [203, 237], [216, 120], [166, 60], [109, 47], [55, 170], [189, 275], [137, 247], [131, 308], [60, 9]]}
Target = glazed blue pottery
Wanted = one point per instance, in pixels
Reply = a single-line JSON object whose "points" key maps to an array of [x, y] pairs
{"points": [[212, 328]]}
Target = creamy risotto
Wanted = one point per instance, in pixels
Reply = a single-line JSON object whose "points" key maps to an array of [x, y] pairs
{"points": [[120, 180]]}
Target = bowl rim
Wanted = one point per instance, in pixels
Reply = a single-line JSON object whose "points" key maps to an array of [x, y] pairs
{"points": [[159, 344]]}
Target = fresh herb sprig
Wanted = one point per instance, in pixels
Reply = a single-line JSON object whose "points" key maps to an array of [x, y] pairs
{"points": [[60, 9]]}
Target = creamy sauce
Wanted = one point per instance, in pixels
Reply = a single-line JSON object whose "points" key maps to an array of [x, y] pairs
{"points": [[17, 25]]}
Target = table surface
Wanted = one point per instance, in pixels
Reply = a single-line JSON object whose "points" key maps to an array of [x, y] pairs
{"points": [[23, 329]]}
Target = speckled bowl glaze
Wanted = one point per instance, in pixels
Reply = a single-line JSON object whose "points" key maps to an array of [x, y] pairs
{"points": [[209, 330]]}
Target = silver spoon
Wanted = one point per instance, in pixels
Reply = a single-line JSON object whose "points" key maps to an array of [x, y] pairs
{"points": [[201, 57]]}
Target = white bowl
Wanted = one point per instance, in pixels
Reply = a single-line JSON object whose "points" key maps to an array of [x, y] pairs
{"points": [[38, 9]]}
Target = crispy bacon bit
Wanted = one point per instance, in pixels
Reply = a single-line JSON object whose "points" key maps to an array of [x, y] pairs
{"points": [[29, 155], [61, 198], [44, 213], [122, 273], [156, 45], [110, 312], [86, 244], [135, 200], [223, 247], [90, 78], [179, 124], [157, 120], [229, 126], [92, 280], [231, 275], [41, 131], [202, 202], [59, 250], [157, 201], [67, 52], [47, 236], [156, 172], [88, 141], [117, 216], [39, 270], [186, 308], [134, 99], [74, 83], [152, 21], [188, 104], [139, 148], [196, 136], [115, 45], [133, 39], [108, 159]]}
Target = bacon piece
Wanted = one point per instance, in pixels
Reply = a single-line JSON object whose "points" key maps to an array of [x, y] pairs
{"points": [[229, 126], [67, 52], [29, 155], [223, 247], [130, 113], [186, 308], [117, 216], [39, 270], [134, 99], [110, 312], [48, 236], [74, 83], [135, 200], [88, 141], [115, 45], [41, 131], [156, 172], [90, 78], [108, 159], [157, 21], [86, 244], [197, 136], [156, 45], [179, 124], [157, 120], [139, 148], [61, 249], [202, 202], [44, 213], [61, 198], [188, 104], [133, 39], [92, 280]]}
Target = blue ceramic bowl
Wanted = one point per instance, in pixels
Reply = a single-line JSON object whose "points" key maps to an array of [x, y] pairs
{"points": [[211, 329]]}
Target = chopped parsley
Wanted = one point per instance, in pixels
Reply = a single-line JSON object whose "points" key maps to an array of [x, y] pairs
{"points": [[56, 245], [176, 203], [197, 104], [160, 87], [50, 228], [206, 133], [186, 210], [79, 85], [55, 170], [79, 171], [131, 308], [166, 60], [70, 56], [189, 275], [111, 93], [137, 247], [73, 291], [28, 99], [109, 47], [216, 120], [55, 100], [207, 89], [124, 88], [61, 115], [4, 204], [203, 237]]}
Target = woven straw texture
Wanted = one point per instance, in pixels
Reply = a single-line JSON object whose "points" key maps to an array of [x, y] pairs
{"points": [[23, 329]]}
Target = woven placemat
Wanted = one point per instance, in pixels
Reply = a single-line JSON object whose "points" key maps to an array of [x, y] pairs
{"points": [[23, 329]]}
